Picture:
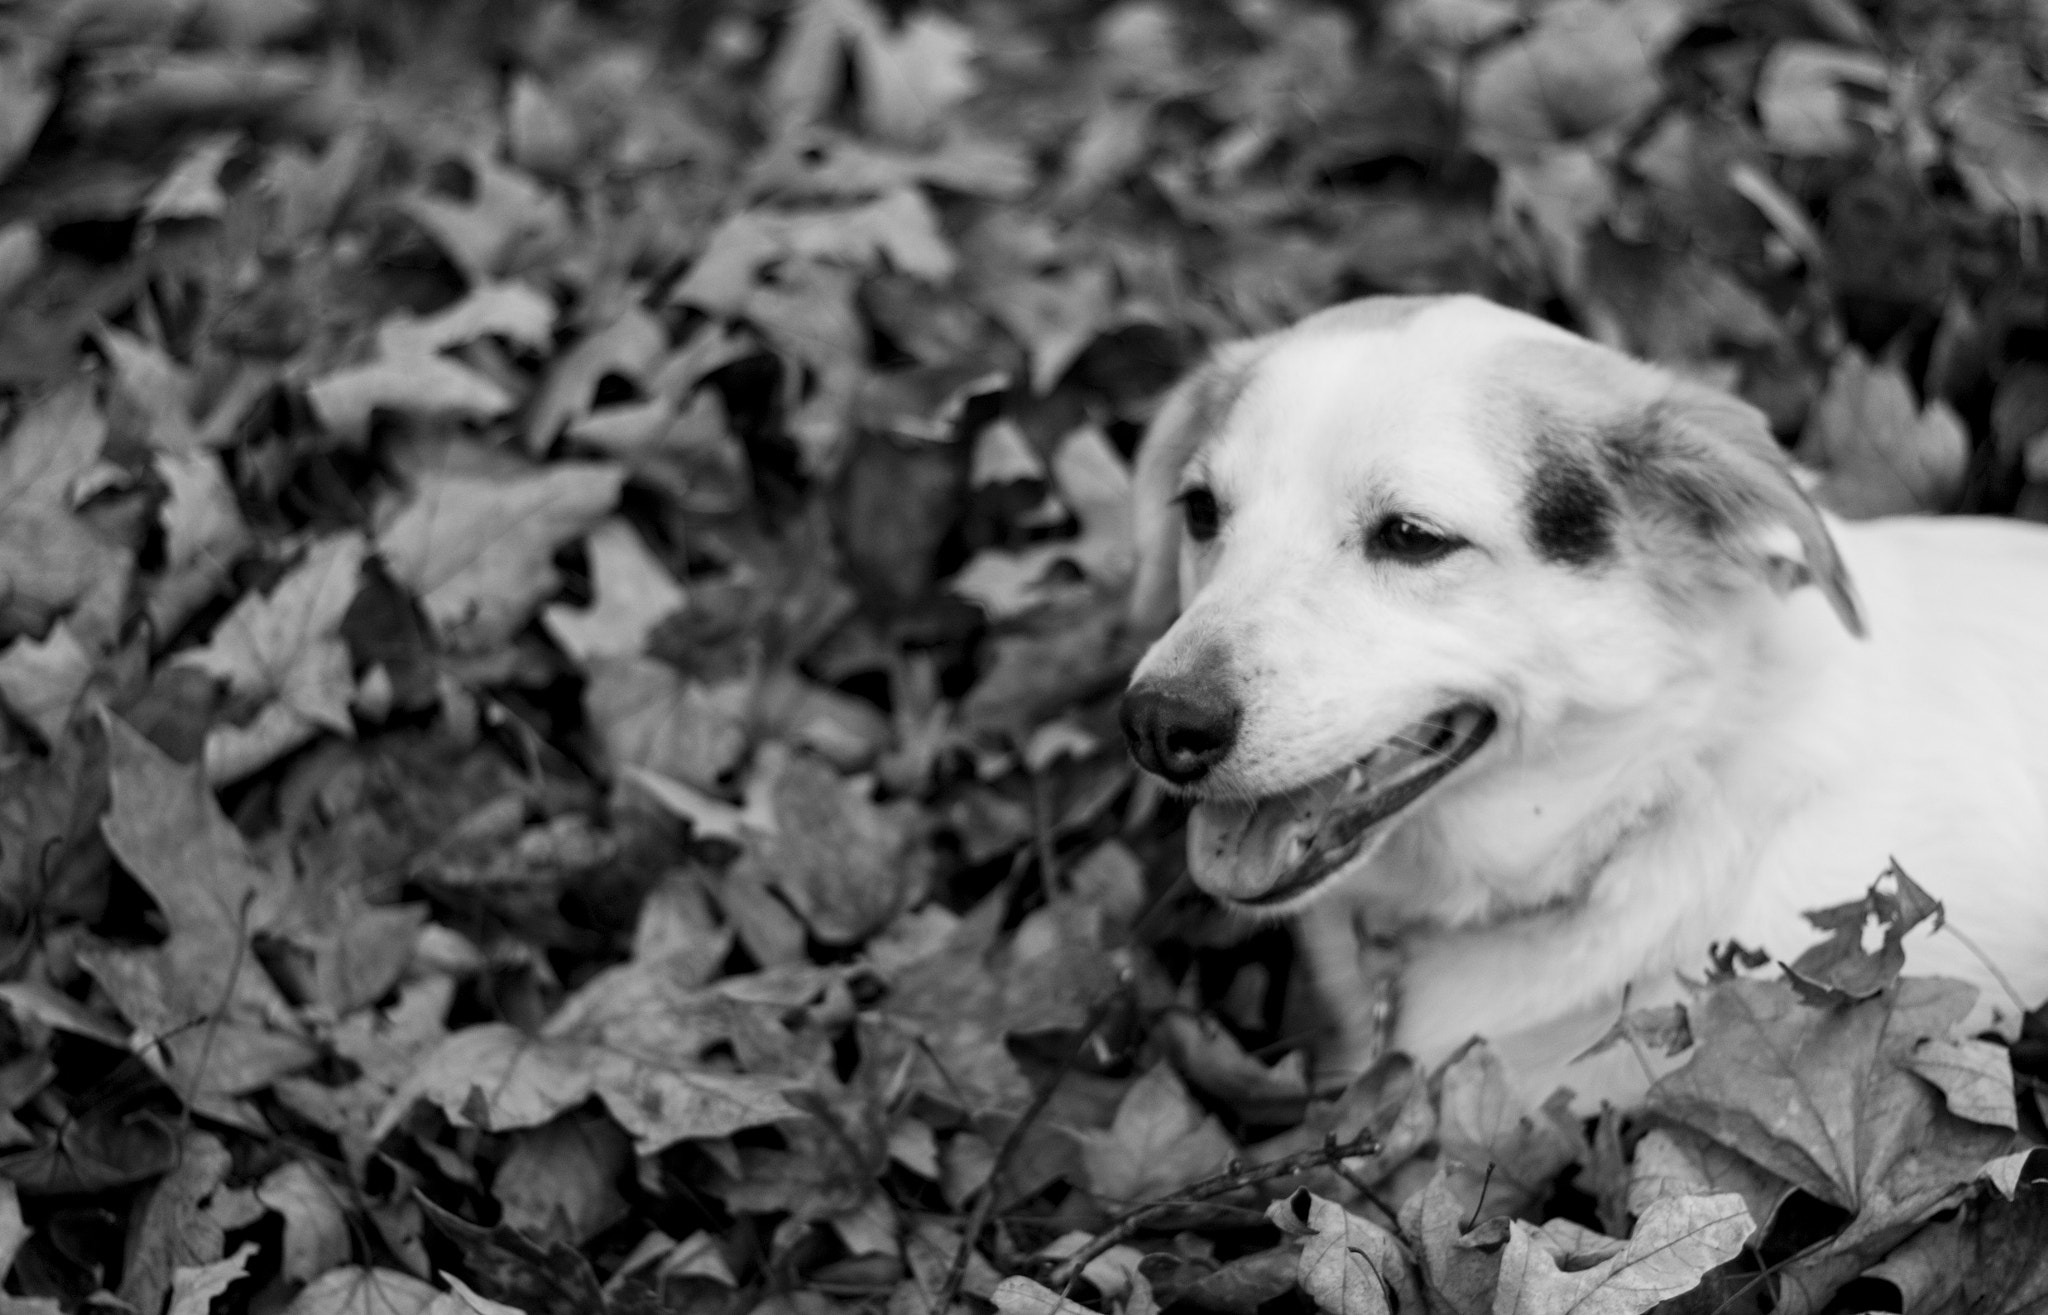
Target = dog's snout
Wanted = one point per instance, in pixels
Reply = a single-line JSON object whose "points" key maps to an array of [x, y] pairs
{"points": [[1179, 731]]}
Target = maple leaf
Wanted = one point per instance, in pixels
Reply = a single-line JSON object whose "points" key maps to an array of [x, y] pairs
{"points": [[909, 76], [653, 718], [1349, 1265], [1096, 486], [1585, 67], [634, 593], [628, 347], [847, 865], [1675, 1162], [475, 547], [385, 1046], [1160, 1140], [1802, 96], [1672, 1247], [42, 680], [49, 558], [360, 1290], [202, 999], [1879, 453], [1839, 969], [2002, 155], [283, 654], [204, 536], [1826, 1098], [409, 373], [495, 1077], [507, 217], [1509, 1152], [900, 227]]}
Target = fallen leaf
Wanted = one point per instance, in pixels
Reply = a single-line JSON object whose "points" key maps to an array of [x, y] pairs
{"points": [[359, 1290], [49, 558], [41, 681], [506, 217], [1095, 484], [1160, 1140], [559, 1181], [634, 593], [1824, 1097], [475, 548], [900, 228], [513, 311], [1455, 1269], [315, 1212], [193, 1287], [1974, 1076], [909, 75], [1802, 100], [629, 347], [432, 386], [845, 864], [1018, 1295], [2002, 152], [1676, 1162], [1586, 66], [27, 95], [492, 1076], [1349, 1265], [1880, 453], [1839, 969], [653, 718], [1673, 1246], [1485, 1125], [1055, 317], [159, 388], [192, 189], [204, 536], [173, 1233], [283, 655]]}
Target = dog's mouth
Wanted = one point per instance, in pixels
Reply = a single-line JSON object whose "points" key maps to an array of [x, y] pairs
{"points": [[1274, 850]]}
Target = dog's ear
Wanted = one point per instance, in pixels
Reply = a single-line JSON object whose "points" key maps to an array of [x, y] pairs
{"points": [[1706, 463], [1187, 416]]}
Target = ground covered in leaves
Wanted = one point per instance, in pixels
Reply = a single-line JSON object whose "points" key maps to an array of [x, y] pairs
{"points": [[560, 569]]}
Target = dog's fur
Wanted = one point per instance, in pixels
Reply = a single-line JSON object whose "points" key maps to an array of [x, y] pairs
{"points": [[1717, 707]]}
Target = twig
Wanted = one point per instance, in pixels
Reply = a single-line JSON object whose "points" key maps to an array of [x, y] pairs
{"points": [[1330, 1152], [985, 1206]]}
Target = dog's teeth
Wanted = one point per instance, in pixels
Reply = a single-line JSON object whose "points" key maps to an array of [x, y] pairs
{"points": [[1354, 780]]}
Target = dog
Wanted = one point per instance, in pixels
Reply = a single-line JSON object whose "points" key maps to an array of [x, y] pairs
{"points": [[1538, 662]]}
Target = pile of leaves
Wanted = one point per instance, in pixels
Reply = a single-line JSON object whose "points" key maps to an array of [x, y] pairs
{"points": [[560, 580]]}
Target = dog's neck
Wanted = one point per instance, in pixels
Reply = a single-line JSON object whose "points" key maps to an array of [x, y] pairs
{"points": [[1601, 839]]}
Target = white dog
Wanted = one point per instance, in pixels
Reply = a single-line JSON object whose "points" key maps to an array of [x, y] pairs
{"points": [[1537, 659]]}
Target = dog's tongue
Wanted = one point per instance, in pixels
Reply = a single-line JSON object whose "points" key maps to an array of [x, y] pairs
{"points": [[1242, 851]]}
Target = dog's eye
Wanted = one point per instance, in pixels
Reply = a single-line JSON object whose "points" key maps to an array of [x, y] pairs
{"points": [[1400, 539], [1199, 510]]}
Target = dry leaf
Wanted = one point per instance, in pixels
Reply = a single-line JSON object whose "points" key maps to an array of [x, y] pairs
{"points": [[1673, 1246], [49, 558], [283, 654], [475, 548], [635, 592], [1878, 452], [1801, 99], [1160, 1140], [358, 1290], [42, 680]]}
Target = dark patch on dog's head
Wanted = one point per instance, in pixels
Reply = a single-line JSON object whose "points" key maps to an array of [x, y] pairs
{"points": [[1571, 513]]}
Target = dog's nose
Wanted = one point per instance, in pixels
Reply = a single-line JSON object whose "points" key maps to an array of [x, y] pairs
{"points": [[1179, 732]]}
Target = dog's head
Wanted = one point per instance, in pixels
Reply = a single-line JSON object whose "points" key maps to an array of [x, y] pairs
{"points": [[1419, 544]]}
